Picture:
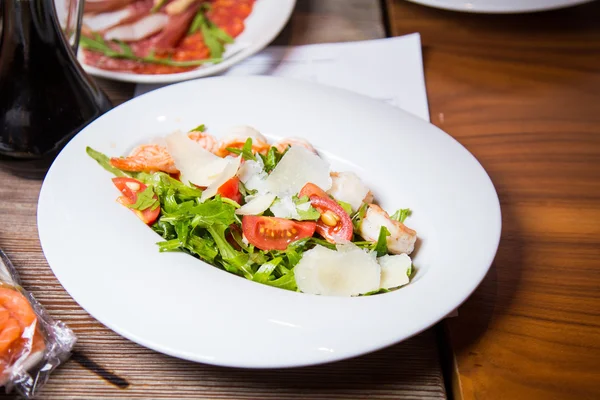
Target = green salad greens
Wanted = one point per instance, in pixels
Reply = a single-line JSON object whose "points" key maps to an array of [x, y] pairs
{"points": [[212, 231]]}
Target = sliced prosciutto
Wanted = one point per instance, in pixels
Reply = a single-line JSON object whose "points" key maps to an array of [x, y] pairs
{"points": [[176, 28]]}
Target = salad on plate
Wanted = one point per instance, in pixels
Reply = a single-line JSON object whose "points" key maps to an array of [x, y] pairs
{"points": [[274, 213], [160, 36]]}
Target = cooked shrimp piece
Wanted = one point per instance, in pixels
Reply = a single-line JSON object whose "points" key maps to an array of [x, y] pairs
{"points": [[236, 138], [349, 188], [283, 144], [205, 140], [401, 240], [146, 158]]}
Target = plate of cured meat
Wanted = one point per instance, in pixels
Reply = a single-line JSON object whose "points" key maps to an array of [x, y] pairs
{"points": [[163, 41]]}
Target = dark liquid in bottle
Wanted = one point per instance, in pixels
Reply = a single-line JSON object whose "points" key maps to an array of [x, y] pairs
{"points": [[45, 97]]}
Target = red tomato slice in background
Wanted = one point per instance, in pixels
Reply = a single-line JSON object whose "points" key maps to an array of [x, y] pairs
{"points": [[130, 188], [271, 233]]}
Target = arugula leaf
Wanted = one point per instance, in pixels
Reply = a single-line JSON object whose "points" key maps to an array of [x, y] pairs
{"points": [[358, 217], [169, 245], [209, 213], [164, 184], [245, 151], [214, 37], [98, 44], [164, 229], [145, 200], [127, 50], [305, 211], [272, 158], [366, 245], [231, 257], [104, 162], [401, 214], [265, 270], [381, 246], [287, 281], [204, 248], [323, 243], [199, 128], [378, 291], [346, 206]]}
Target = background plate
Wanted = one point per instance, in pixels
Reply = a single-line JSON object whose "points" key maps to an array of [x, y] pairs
{"points": [[262, 26]]}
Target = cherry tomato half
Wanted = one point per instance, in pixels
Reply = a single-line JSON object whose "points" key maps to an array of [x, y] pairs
{"points": [[335, 224], [310, 189], [130, 188], [271, 233], [231, 190]]}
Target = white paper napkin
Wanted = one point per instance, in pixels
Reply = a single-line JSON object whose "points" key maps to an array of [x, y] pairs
{"points": [[387, 69]]}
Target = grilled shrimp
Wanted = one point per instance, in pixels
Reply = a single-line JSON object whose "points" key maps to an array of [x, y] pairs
{"points": [[348, 187], [146, 158], [238, 136], [205, 140], [401, 240], [283, 144]]}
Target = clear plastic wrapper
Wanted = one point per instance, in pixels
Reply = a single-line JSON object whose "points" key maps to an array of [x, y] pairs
{"points": [[32, 344]]}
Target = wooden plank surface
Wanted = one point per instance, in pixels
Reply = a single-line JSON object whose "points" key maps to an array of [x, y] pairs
{"points": [[522, 92], [105, 365]]}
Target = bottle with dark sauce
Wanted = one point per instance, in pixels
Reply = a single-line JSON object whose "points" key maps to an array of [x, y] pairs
{"points": [[45, 96]]}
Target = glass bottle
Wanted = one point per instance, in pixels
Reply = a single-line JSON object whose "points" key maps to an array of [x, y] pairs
{"points": [[45, 96]]}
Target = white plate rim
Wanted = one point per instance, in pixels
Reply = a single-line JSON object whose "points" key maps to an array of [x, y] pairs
{"points": [[201, 71], [45, 231]]}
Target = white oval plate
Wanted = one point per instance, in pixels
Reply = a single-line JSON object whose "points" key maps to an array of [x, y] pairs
{"points": [[500, 6], [174, 303], [262, 26]]}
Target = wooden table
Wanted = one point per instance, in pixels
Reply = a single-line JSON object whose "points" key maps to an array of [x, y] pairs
{"points": [[522, 93], [104, 365]]}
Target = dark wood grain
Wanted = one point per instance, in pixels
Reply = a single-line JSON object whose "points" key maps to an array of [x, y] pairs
{"points": [[108, 366], [522, 93]]}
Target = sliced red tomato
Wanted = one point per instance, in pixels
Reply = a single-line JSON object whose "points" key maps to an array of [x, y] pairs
{"points": [[271, 233], [310, 189], [335, 224], [130, 188], [231, 190]]}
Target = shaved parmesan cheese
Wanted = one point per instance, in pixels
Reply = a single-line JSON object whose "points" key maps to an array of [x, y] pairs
{"points": [[196, 164], [347, 187], [251, 168], [303, 206], [394, 270], [285, 208], [256, 206], [297, 168], [253, 176], [228, 173], [349, 271]]}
